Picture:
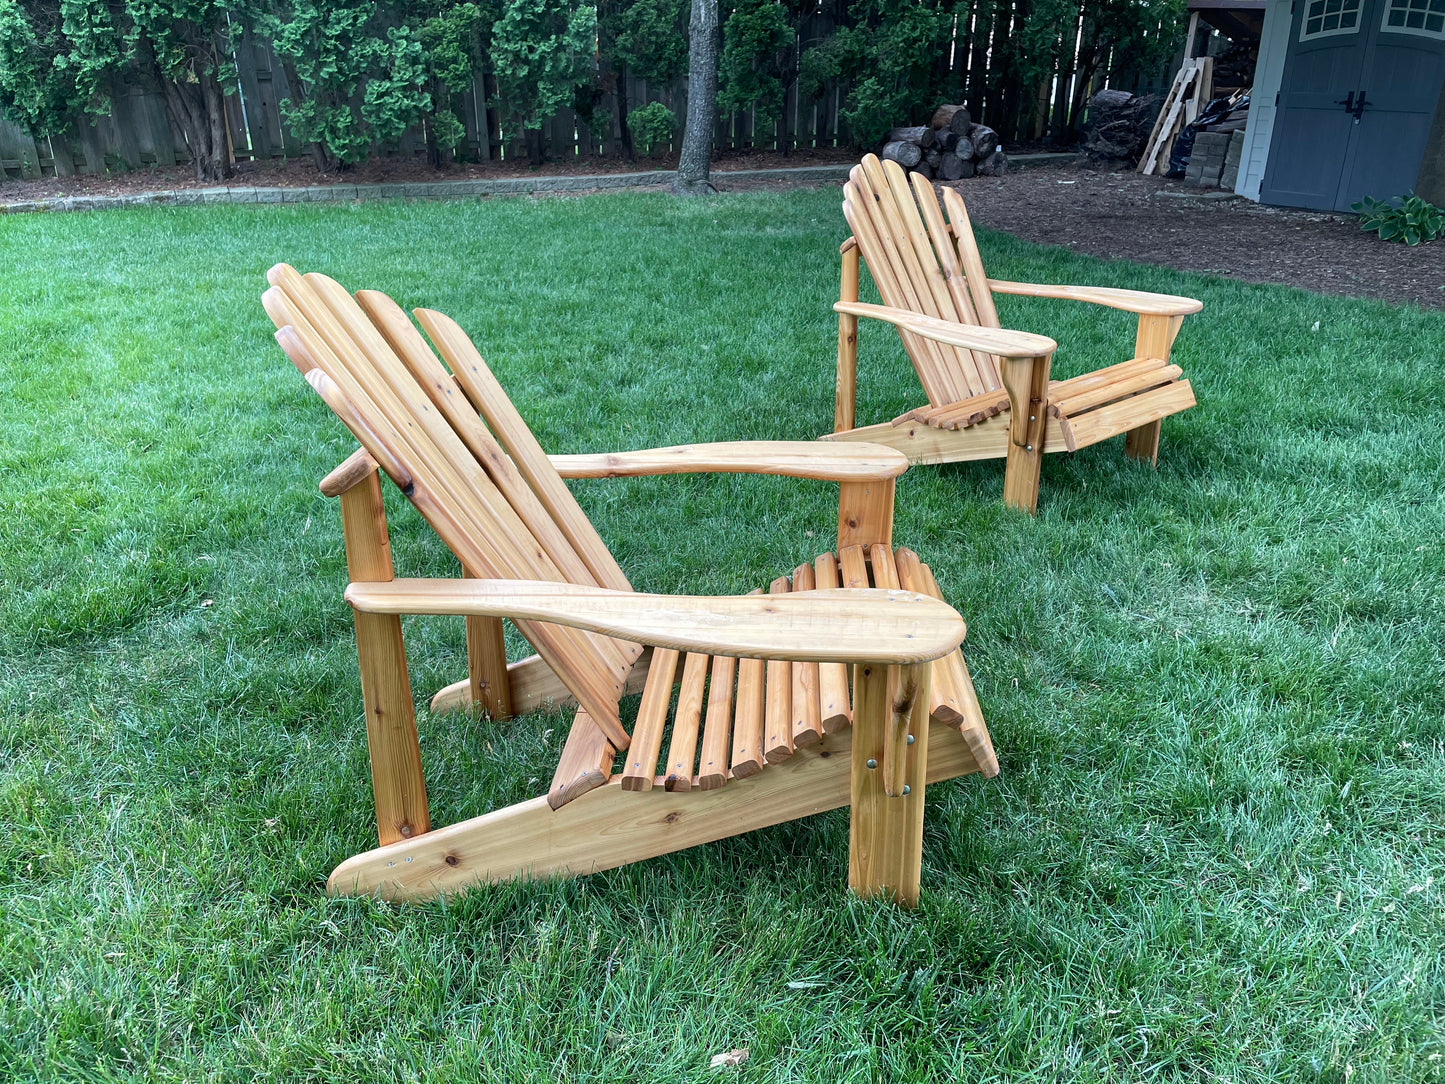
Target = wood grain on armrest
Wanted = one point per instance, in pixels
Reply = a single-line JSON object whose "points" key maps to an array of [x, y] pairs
{"points": [[991, 340], [790, 458], [1135, 301], [840, 625]]}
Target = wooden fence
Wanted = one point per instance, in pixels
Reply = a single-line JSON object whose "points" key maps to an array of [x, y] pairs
{"points": [[137, 133]]}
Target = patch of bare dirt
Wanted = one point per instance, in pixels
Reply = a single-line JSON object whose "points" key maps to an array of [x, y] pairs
{"points": [[1128, 216]]}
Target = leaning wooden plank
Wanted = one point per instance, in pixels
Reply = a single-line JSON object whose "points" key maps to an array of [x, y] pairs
{"points": [[642, 755], [778, 704], [834, 705], [686, 722], [586, 762], [712, 768], [609, 827], [885, 572], [970, 412], [1176, 88], [806, 701], [819, 626]]}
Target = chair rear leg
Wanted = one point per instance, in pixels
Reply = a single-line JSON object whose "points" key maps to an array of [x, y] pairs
{"points": [[487, 667], [885, 834], [1154, 340]]}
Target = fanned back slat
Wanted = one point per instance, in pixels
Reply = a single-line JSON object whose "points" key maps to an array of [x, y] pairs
{"points": [[377, 373], [920, 265]]}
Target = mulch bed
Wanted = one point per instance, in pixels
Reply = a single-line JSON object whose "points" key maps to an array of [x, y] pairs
{"points": [[1124, 216]]}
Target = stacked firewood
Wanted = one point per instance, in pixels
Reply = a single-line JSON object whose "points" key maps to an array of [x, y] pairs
{"points": [[949, 148]]}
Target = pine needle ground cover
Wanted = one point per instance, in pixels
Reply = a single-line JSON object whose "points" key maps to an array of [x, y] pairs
{"points": [[1217, 846]]}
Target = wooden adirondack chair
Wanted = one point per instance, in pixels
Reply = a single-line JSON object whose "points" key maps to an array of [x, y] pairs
{"points": [[931, 278], [766, 728]]}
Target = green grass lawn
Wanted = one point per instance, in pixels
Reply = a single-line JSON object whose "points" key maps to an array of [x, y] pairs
{"points": [[1216, 849]]}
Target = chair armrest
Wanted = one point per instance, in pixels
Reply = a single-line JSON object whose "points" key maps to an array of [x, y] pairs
{"points": [[1135, 301], [790, 458], [839, 625], [991, 340]]}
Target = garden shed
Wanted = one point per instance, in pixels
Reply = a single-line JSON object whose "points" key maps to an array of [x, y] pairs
{"points": [[1347, 103]]}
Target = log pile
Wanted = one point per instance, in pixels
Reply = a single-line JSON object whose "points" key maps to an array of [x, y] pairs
{"points": [[950, 147], [1119, 125]]}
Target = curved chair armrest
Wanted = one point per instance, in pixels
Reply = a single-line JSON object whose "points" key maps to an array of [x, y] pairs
{"points": [[789, 458], [1135, 301], [839, 625], [991, 340]]}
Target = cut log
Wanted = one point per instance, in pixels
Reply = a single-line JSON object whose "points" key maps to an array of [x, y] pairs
{"points": [[994, 165], [985, 140], [953, 117], [969, 169], [963, 147], [933, 158], [923, 168], [944, 139], [906, 155], [951, 167], [922, 135]]}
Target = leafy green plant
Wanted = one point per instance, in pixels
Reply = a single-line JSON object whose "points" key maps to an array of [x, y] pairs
{"points": [[1412, 220], [542, 51], [653, 126]]}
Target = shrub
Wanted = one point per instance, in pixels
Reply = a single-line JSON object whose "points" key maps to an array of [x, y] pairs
{"points": [[652, 126], [1413, 220]]}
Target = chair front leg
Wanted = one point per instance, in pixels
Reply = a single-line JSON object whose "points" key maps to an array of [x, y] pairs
{"points": [[396, 773], [1027, 382], [890, 752], [487, 678], [1154, 340]]}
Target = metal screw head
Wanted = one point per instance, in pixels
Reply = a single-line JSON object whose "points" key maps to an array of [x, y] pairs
{"points": [[907, 789], [910, 739], [1033, 417], [1028, 447], [872, 763]]}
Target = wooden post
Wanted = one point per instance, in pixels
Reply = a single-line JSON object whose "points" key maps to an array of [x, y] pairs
{"points": [[885, 835], [846, 397], [865, 513], [488, 682], [1027, 383], [1155, 340], [487, 666], [396, 775]]}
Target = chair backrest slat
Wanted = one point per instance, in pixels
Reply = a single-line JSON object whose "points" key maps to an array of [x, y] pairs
{"points": [[488, 397], [374, 375], [448, 398], [972, 261], [920, 264]]}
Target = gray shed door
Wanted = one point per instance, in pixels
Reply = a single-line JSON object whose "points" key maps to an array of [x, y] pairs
{"points": [[1327, 150]]}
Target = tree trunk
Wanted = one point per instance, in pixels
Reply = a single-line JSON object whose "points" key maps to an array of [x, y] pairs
{"points": [[695, 163], [619, 101], [197, 109]]}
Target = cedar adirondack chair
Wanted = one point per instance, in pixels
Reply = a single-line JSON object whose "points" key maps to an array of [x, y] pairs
{"points": [[764, 680], [930, 276]]}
